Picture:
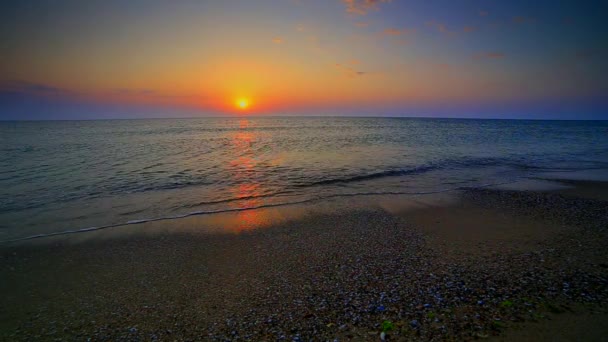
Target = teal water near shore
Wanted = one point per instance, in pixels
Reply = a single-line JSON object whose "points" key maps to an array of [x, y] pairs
{"points": [[64, 175]]}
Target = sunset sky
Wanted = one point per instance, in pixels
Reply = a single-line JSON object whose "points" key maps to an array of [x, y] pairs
{"points": [[127, 59]]}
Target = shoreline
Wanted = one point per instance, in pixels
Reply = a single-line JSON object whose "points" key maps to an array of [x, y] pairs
{"points": [[339, 273], [539, 183]]}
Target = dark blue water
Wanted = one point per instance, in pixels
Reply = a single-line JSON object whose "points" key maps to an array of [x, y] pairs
{"points": [[64, 175]]}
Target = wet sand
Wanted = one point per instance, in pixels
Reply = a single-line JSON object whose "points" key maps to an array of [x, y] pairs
{"points": [[501, 264]]}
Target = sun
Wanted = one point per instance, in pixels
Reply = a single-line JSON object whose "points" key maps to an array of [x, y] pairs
{"points": [[242, 103]]}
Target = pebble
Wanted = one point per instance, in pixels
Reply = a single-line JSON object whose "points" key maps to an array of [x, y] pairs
{"points": [[330, 285]]}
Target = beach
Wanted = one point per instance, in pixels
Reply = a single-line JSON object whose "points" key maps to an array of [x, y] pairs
{"points": [[320, 170], [477, 263]]}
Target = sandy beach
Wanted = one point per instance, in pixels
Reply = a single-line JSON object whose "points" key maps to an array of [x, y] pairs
{"points": [[487, 263], [319, 170]]}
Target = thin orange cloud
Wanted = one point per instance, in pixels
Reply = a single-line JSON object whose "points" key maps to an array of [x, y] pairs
{"points": [[398, 32], [362, 7], [348, 69], [278, 40], [439, 26], [393, 32]]}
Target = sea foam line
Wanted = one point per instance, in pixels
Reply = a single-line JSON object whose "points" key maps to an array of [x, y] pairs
{"points": [[219, 211]]}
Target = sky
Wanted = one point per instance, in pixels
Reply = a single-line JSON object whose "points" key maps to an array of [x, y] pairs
{"points": [[146, 59]]}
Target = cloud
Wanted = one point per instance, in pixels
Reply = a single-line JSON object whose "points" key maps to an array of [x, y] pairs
{"points": [[30, 88], [440, 27], [39, 89], [24, 99], [468, 29], [134, 92], [149, 94], [278, 40], [483, 13], [348, 69], [489, 55], [393, 32], [397, 32], [362, 7], [362, 24]]}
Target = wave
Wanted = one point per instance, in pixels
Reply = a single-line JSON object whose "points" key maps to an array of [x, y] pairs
{"points": [[131, 187], [235, 199], [359, 178], [465, 162], [177, 182], [262, 206]]}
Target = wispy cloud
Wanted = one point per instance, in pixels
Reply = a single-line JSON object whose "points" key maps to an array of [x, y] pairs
{"points": [[142, 93], [362, 24], [489, 55], [362, 7], [28, 91], [398, 36], [349, 68], [468, 29], [483, 13], [441, 27], [31, 88], [278, 40], [393, 32]]}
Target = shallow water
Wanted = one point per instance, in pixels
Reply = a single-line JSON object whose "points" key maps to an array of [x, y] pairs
{"points": [[62, 175]]}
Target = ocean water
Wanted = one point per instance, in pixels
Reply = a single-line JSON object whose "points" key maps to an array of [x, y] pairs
{"points": [[67, 175]]}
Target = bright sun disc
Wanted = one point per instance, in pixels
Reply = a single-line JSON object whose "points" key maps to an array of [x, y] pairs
{"points": [[242, 103]]}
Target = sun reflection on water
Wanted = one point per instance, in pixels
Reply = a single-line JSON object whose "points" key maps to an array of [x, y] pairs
{"points": [[243, 173]]}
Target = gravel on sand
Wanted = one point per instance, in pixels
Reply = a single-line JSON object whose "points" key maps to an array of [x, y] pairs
{"points": [[348, 275]]}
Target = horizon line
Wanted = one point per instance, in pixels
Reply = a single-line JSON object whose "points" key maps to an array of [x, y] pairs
{"points": [[302, 116]]}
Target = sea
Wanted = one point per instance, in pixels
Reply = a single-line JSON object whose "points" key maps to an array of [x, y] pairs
{"points": [[58, 176]]}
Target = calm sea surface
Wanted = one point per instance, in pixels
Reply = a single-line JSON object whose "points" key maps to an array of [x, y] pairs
{"points": [[57, 176]]}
